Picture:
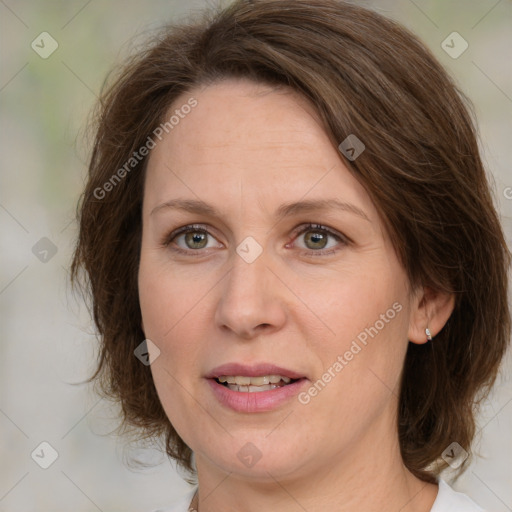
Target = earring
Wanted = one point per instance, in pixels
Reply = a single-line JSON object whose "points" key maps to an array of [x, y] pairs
{"points": [[428, 333]]}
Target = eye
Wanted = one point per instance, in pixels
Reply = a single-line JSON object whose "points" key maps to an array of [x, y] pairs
{"points": [[194, 238], [316, 238]]}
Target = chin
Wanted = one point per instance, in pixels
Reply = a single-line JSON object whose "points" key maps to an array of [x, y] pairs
{"points": [[259, 460]]}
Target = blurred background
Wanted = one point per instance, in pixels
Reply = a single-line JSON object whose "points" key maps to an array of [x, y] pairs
{"points": [[55, 56]]}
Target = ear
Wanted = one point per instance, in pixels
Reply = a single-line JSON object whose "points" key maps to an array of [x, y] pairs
{"points": [[430, 309]]}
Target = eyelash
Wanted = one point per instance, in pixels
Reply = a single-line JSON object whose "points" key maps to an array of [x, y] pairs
{"points": [[166, 242]]}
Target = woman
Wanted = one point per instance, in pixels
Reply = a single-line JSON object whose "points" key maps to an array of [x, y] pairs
{"points": [[297, 272]]}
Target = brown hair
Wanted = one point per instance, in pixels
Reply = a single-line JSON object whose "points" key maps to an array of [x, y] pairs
{"points": [[365, 75]]}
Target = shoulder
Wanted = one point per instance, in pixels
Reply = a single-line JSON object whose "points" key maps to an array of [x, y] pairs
{"points": [[181, 505], [449, 500]]}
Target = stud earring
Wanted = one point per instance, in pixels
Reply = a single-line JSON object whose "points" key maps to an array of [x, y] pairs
{"points": [[428, 333]]}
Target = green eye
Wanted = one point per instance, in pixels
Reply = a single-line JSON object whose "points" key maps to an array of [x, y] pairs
{"points": [[317, 237], [318, 240], [196, 239]]}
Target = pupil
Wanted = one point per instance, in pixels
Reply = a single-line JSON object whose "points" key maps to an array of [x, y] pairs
{"points": [[196, 238], [317, 238]]}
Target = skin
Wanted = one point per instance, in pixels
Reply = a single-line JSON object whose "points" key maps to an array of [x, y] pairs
{"points": [[246, 149]]}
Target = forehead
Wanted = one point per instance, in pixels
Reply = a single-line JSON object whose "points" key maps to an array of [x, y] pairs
{"points": [[244, 139], [244, 118]]}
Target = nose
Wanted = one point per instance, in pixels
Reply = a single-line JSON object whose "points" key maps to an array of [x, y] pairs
{"points": [[251, 300]]}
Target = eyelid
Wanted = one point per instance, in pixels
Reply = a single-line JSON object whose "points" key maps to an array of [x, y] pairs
{"points": [[204, 228], [343, 239], [311, 226]]}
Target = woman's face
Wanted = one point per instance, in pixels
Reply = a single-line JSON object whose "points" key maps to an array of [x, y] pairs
{"points": [[271, 273]]}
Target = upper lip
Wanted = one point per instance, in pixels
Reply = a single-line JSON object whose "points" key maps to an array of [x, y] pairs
{"points": [[255, 370]]}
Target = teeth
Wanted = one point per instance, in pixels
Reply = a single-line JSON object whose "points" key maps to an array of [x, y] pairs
{"points": [[253, 381], [253, 389]]}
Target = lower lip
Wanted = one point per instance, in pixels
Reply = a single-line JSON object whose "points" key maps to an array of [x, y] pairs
{"points": [[258, 401]]}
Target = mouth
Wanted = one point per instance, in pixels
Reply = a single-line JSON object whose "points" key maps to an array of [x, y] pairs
{"points": [[246, 384], [256, 388]]}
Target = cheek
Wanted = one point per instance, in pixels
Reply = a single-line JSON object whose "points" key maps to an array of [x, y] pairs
{"points": [[164, 316], [168, 323], [167, 316], [175, 316], [361, 363], [166, 298], [367, 316], [361, 299]]}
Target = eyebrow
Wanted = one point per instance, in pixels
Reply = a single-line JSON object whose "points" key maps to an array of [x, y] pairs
{"points": [[285, 210]]}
